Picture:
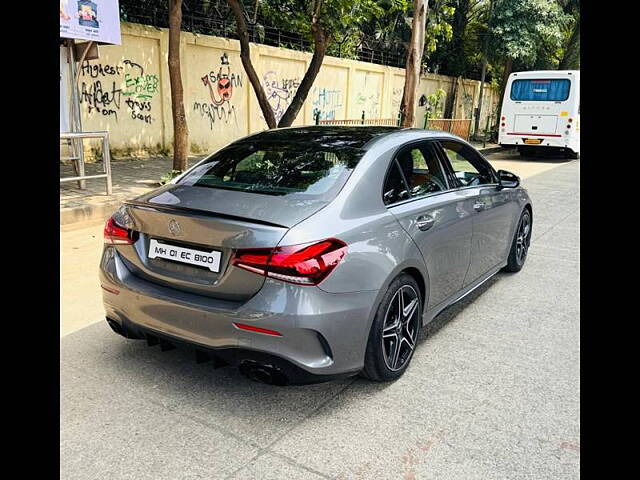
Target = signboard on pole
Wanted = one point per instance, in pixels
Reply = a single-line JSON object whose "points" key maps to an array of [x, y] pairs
{"points": [[64, 91], [96, 20]]}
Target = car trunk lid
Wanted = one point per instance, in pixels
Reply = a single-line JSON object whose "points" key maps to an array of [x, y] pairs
{"points": [[206, 220]]}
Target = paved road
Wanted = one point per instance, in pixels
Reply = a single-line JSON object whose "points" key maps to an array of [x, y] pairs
{"points": [[492, 393]]}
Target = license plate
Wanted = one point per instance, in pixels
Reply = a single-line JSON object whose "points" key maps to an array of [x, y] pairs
{"points": [[533, 141], [210, 260]]}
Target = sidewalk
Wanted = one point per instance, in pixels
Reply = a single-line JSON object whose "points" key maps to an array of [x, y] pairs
{"points": [[130, 179], [487, 149]]}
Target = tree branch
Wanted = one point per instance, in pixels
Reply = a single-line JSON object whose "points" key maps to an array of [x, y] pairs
{"points": [[320, 40], [245, 56]]}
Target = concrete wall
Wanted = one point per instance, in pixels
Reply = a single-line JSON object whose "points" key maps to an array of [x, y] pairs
{"points": [[126, 91]]}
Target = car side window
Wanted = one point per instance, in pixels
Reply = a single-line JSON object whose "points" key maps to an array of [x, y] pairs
{"points": [[395, 190], [422, 170], [468, 167]]}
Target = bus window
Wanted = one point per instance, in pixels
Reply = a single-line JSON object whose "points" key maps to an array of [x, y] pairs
{"points": [[549, 90]]}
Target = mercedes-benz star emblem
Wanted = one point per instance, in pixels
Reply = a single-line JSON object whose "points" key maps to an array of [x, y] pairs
{"points": [[174, 228]]}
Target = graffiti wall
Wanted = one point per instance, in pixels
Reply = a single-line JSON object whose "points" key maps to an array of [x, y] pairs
{"points": [[126, 91], [216, 94], [120, 92], [280, 80], [328, 96], [368, 92], [397, 87]]}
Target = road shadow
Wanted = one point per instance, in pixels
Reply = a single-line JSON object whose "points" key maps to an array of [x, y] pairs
{"points": [[444, 318], [541, 156], [450, 313], [178, 371]]}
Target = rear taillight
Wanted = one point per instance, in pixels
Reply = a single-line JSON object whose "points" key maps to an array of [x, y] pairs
{"points": [[115, 234], [306, 264]]}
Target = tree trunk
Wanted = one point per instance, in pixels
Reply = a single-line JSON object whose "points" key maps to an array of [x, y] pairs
{"points": [[319, 49], [414, 60], [571, 58], [483, 75], [180, 130], [476, 125], [245, 56], [505, 77], [451, 99]]}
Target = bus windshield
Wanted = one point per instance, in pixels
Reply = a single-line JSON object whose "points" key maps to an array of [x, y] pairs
{"points": [[550, 90]]}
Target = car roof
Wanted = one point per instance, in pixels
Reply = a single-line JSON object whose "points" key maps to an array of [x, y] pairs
{"points": [[339, 136]]}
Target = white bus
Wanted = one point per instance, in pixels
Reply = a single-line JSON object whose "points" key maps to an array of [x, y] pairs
{"points": [[541, 109]]}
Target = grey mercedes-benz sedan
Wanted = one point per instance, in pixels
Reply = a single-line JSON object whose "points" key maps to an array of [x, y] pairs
{"points": [[307, 254]]}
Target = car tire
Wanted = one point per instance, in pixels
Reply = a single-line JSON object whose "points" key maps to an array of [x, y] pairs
{"points": [[520, 244], [570, 154], [390, 348]]}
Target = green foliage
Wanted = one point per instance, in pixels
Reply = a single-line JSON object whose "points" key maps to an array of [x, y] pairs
{"points": [[570, 52], [393, 26], [345, 47], [167, 177], [523, 30], [438, 29], [339, 18], [435, 103]]}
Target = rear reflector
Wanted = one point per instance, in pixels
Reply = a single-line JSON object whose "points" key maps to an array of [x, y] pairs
{"points": [[115, 234], [251, 328], [306, 264], [111, 290]]}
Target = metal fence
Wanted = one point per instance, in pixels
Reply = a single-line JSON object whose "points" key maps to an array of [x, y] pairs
{"points": [[392, 122], [79, 160], [213, 17], [458, 126]]}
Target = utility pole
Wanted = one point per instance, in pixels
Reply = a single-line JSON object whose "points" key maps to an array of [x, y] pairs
{"points": [[484, 70]]}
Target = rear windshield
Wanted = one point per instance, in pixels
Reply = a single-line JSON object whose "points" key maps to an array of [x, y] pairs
{"points": [[308, 171], [550, 90]]}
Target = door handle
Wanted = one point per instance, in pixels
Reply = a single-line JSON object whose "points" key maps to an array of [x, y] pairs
{"points": [[478, 206], [425, 222]]}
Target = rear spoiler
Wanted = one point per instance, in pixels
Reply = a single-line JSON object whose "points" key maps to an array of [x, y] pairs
{"points": [[204, 213]]}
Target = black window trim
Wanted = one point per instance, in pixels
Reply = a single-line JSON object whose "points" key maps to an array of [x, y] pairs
{"points": [[445, 159], [394, 161]]}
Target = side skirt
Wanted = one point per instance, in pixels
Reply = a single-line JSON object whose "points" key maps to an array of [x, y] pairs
{"points": [[433, 313]]}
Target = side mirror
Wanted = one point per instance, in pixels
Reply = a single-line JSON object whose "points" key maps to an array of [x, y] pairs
{"points": [[507, 180]]}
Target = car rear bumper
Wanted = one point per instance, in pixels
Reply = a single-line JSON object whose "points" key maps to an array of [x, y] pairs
{"points": [[322, 333]]}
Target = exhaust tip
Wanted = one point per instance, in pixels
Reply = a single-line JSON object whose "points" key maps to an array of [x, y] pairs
{"points": [[122, 330], [116, 327], [263, 373]]}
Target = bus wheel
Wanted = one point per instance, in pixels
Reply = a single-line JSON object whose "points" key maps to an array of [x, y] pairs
{"points": [[526, 151], [571, 154]]}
